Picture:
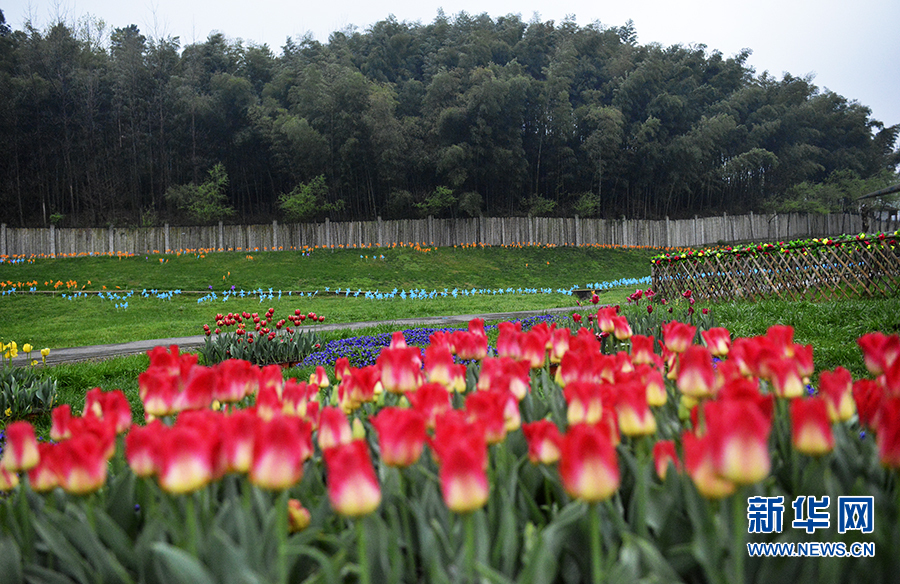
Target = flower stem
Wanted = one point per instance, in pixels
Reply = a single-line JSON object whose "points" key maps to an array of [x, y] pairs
{"points": [[191, 522], [469, 521], [281, 525], [594, 533], [407, 529], [364, 575], [738, 531]]}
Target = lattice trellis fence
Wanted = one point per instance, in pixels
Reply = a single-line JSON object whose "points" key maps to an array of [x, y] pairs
{"points": [[846, 267]]}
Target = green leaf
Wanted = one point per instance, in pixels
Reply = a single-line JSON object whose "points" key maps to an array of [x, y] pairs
{"points": [[176, 566], [10, 561], [41, 575]]}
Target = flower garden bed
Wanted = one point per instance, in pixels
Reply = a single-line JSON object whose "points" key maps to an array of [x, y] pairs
{"points": [[590, 454], [815, 269]]}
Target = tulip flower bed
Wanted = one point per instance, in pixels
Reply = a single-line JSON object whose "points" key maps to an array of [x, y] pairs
{"points": [[23, 392], [570, 456], [267, 342]]}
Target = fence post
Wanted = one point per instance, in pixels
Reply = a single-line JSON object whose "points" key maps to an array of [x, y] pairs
{"points": [[3, 239], [577, 232], [327, 232], [52, 241], [274, 235], [166, 238]]}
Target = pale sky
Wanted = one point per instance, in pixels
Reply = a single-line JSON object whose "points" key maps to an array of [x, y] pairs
{"points": [[851, 48]]}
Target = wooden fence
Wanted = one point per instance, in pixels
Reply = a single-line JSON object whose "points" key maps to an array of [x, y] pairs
{"points": [[441, 232], [851, 267]]}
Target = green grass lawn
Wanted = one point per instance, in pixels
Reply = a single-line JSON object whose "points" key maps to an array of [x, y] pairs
{"points": [[65, 319]]}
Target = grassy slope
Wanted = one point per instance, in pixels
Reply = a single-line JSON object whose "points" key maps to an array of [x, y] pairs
{"points": [[58, 321]]}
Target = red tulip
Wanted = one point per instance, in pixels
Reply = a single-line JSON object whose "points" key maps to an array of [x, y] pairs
{"points": [[334, 428], [80, 464], [60, 418], [544, 441], [109, 405], [605, 319], [718, 340], [739, 436], [401, 435], [486, 408], [401, 369], [359, 386], [279, 448], [186, 459], [504, 374], [431, 400], [141, 444], [509, 340], [699, 461], [642, 349], [353, 488], [836, 387], [810, 427], [786, 378], [588, 466], [21, 449], [887, 435], [463, 477], [235, 380], [534, 348], [621, 328], [664, 455], [44, 477], [585, 402], [559, 344], [469, 346], [696, 376], [879, 351], [678, 336], [633, 413], [238, 437], [440, 368]]}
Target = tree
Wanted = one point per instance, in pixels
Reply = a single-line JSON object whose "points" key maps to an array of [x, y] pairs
{"points": [[206, 202], [438, 202], [306, 202]]}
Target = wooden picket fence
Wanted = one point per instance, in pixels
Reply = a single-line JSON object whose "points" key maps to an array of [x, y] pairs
{"points": [[557, 231], [867, 267]]}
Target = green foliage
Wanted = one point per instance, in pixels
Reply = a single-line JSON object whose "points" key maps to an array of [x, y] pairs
{"points": [[471, 203], [436, 204], [399, 203], [25, 392], [307, 202], [287, 346], [497, 106], [837, 194], [538, 206], [206, 202], [587, 205]]}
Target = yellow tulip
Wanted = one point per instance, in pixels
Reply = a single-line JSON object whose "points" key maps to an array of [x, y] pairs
{"points": [[26, 348], [45, 351]]}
